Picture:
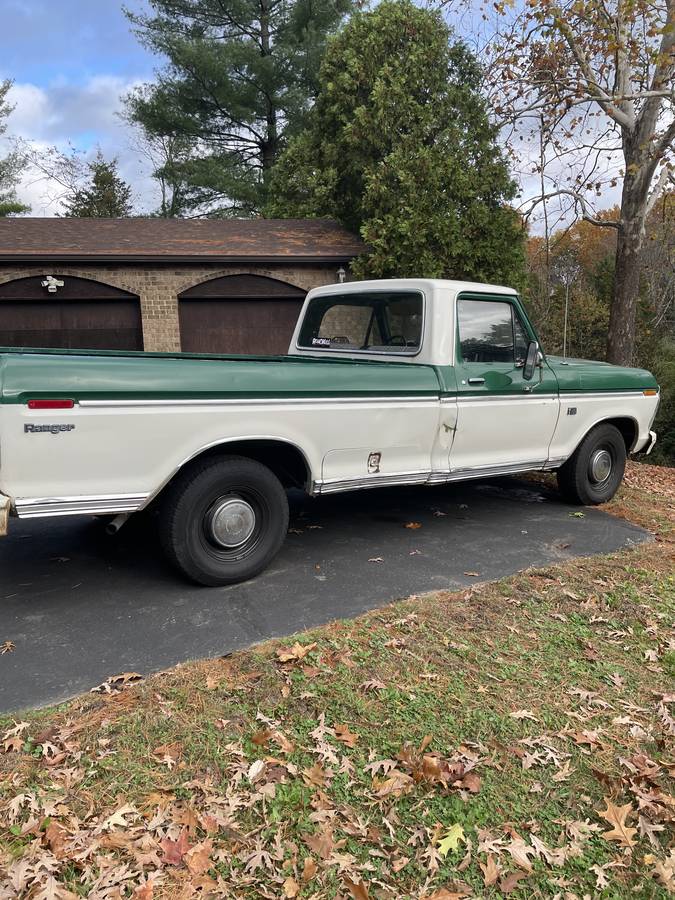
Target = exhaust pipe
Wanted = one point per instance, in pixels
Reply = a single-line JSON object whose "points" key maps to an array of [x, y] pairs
{"points": [[114, 526]]}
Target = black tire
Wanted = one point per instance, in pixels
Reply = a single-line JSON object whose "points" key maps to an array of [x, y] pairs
{"points": [[593, 473], [220, 500]]}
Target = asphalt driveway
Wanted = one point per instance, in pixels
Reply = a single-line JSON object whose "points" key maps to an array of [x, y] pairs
{"points": [[79, 605]]}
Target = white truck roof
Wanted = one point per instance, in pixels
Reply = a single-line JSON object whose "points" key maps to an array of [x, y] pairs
{"points": [[442, 284]]}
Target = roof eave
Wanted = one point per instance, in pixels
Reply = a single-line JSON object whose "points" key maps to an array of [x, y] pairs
{"points": [[117, 259]]}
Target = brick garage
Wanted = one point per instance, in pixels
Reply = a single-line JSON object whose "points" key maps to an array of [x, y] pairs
{"points": [[229, 286]]}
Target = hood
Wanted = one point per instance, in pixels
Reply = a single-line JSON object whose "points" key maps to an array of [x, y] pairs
{"points": [[591, 375]]}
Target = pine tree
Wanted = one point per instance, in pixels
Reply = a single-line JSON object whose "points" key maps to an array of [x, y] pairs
{"points": [[399, 148], [105, 196], [240, 79]]}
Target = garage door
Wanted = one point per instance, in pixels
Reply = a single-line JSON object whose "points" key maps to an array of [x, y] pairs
{"points": [[239, 314], [80, 315]]}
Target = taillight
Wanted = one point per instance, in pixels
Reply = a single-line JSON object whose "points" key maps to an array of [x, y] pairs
{"points": [[51, 404]]}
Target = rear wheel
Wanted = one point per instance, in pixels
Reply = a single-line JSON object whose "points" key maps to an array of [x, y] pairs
{"points": [[593, 473], [223, 520]]}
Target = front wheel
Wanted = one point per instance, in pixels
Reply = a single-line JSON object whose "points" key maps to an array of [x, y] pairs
{"points": [[224, 520], [593, 473]]}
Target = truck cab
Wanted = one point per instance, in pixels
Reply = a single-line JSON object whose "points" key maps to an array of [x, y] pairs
{"points": [[500, 413]]}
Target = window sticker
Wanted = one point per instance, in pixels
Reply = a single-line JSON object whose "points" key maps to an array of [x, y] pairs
{"points": [[320, 342]]}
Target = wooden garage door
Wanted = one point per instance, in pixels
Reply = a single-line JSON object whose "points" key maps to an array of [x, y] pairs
{"points": [[239, 314], [82, 315]]}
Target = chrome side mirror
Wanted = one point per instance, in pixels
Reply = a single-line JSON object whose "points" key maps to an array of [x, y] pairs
{"points": [[533, 360]]}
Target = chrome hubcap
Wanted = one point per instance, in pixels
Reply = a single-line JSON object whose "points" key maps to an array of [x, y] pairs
{"points": [[600, 466], [230, 522]]}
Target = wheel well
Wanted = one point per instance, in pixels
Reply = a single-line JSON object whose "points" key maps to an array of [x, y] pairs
{"points": [[286, 461], [628, 429]]}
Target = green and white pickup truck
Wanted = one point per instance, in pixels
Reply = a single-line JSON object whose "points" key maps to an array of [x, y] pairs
{"points": [[396, 382]]}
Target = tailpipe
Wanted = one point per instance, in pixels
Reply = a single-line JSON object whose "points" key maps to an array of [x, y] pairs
{"points": [[114, 526]]}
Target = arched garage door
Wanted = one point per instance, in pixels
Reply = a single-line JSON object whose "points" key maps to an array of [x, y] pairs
{"points": [[80, 315], [239, 314]]}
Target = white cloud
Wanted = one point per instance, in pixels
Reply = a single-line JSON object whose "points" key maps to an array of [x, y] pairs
{"points": [[84, 116]]}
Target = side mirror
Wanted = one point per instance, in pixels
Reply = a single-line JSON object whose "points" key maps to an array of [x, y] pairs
{"points": [[533, 360]]}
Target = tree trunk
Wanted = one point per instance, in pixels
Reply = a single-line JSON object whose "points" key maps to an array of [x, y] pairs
{"points": [[621, 335], [269, 146]]}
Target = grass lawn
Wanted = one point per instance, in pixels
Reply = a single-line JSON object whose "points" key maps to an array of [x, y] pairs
{"points": [[515, 738]]}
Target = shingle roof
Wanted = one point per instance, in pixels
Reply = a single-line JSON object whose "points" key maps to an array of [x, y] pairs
{"points": [[174, 240]]}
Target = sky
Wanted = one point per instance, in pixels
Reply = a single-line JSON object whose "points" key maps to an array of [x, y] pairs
{"points": [[71, 61]]}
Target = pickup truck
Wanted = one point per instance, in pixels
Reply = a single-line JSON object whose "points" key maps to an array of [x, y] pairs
{"points": [[392, 382]]}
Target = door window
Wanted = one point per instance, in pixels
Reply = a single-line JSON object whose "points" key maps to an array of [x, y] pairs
{"points": [[490, 331], [374, 322]]}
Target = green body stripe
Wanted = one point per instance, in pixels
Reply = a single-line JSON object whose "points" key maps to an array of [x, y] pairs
{"points": [[103, 375]]}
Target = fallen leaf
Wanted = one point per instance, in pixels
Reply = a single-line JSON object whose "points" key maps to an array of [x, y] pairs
{"points": [[397, 784], [322, 842], [508, 884], [472, 574], [616, 816], [601, 880], [255, 770], [413, 525], [308, 870], [520, 853], [491, 871], [56, 838], [174, 851], [471, 782], [7, 647], [445, 894], [357, 889], [198, 859], [345, 736], [291, 887], [295, 653], [523, 714], [169, 754], [316, 775], [563, 773], [373, 684], [450, 841], [376, 559]]}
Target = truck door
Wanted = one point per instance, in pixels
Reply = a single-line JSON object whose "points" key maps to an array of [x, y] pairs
{"points": [[504, 422]]}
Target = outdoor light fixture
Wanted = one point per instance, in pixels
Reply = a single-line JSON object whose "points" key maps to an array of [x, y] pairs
{"points": [[342, 275], [52, 284]]}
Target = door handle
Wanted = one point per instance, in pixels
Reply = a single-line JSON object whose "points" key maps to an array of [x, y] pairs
{"points": [[476, 381]]}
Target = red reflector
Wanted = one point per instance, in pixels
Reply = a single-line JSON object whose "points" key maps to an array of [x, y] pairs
{"points": [[51, 404]]}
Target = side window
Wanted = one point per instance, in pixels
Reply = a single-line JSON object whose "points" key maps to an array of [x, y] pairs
{"points": [[376, 321], [491, 331], [485, 331]]}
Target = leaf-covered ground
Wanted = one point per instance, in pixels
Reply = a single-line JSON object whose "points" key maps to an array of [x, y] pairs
{"points": [[515, 738]]}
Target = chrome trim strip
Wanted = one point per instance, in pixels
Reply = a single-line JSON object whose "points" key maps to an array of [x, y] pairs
{"points": [[331, 486], [486, 471], [266, 401], [44, 507], [503, 398], [600, 395], [345, 400], [334, 485]]}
